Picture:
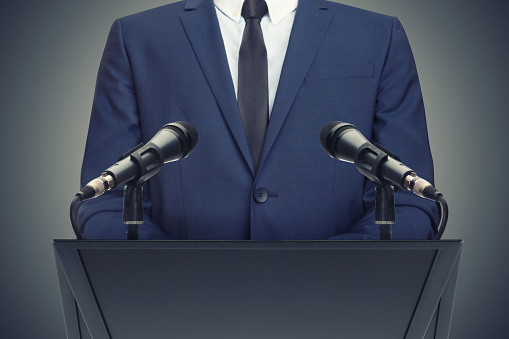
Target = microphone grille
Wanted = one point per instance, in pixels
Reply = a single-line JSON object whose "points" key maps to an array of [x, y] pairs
{"points": [[187, 134], [330, 135]]}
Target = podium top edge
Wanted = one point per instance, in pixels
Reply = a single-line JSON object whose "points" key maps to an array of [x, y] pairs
{"points": [[69, 244], [254, 241]]}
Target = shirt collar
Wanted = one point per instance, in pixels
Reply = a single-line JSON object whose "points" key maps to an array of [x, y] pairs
{"points": [[278, 9]]}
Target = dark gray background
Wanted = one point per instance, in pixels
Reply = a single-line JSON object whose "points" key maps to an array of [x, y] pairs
{"points": [[50, 52]]}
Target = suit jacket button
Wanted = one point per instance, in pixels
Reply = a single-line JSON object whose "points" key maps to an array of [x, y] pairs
{"points": [[260, 195]]}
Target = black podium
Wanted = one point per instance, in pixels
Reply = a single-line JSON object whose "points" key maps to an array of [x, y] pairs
{"points": [[259, 290]]}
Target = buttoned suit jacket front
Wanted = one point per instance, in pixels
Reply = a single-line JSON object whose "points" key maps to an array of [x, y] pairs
{"points": [[342, 64]]}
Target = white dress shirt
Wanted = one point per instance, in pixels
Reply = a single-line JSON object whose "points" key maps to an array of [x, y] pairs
{"points": [[276, 27]]}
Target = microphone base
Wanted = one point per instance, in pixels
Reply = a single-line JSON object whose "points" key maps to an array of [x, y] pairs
{"points": [[385, 232], [133, 231]]}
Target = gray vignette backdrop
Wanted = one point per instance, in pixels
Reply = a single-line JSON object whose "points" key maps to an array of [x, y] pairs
{"points": [[50, 52]]}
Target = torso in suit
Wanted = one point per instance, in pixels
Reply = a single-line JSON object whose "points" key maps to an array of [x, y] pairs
{"points": [[169, 64]]}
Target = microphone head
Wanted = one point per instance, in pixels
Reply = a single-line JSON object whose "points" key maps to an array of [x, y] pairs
{"points": [[187, 135], [329, 138]]}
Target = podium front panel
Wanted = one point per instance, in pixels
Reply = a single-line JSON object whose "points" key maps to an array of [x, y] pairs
{"points": [[289, 289]]}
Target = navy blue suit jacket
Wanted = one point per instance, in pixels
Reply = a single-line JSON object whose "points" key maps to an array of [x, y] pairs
{"points": [[342, 63]]}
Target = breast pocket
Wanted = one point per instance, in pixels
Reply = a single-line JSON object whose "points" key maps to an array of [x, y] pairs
{"points": [[340, 71]]}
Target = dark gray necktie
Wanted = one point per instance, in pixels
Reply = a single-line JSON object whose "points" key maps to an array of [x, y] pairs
{"points": [[253, 91]]}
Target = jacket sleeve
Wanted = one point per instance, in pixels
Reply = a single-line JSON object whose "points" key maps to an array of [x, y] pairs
{"points": [[114, 129], [400, 126]]}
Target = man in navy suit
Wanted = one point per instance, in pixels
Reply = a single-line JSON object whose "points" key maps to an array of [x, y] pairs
{"points": [[326, 62]]}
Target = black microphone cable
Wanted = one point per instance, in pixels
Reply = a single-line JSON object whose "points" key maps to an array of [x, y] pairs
{"points": [[431, 193], [76, 203], [75, 206], [444, 215]]}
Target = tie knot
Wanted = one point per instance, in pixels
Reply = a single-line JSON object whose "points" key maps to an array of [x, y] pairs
{"points": [[254, 9]]}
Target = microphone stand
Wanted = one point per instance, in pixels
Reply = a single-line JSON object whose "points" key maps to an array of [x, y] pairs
{"points": [[385, 211], [132, 214]]}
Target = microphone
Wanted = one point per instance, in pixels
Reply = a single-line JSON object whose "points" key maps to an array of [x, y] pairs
{"points": [[173, 142], [344, 142]]}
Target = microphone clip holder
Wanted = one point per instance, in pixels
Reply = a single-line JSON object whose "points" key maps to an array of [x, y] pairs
{"points": [[368, 160], [132, 214]]}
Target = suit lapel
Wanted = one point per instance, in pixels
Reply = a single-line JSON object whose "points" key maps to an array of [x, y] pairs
{"points": [[202, 29], [311, 22]]}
